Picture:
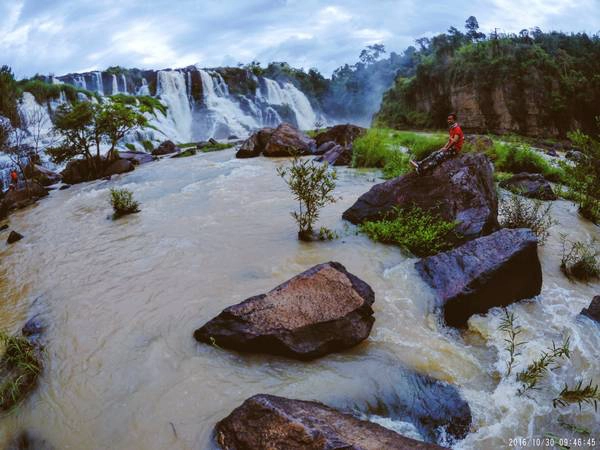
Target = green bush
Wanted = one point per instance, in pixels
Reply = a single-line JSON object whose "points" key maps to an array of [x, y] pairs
{"points": [[216, 147], [580, 260], [20, 367], [312, 185], [122, 202], [414, 230], [517, 158], [519, 212], [148, 146], [130, 146]]}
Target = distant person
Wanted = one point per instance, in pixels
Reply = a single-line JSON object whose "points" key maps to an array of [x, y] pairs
{"points": [[14, 179], [451, 149]]}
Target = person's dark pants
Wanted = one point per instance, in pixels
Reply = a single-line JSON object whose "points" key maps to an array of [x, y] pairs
{"points": [[435, 159]]}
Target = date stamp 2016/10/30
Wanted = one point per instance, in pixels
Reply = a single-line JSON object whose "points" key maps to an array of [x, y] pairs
{"points": [[553, 442]]}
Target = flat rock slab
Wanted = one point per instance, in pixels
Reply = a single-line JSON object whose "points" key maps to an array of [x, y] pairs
{"points": [[461, 189], [270, 422], [322, 310], [494, 270], [593, 311], [531, 185]]}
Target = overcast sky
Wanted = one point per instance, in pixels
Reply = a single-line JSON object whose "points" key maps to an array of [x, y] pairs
{"points": [[61, 36]]}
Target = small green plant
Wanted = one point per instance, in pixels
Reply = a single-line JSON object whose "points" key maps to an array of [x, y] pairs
{"points": [[580, 394], [579, 260], [312, 185], [325, 234], [512, 332], [148, 146], [130, 146], [217, 147], [414, 230], [122, 202], [20, 367], [533, 374], [519, 212]]}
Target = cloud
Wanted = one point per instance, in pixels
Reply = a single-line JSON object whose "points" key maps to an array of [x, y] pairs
{"points": [[64, 36]]}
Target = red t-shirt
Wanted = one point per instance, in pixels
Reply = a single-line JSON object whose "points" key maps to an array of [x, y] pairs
{"points": [[456, 131]]}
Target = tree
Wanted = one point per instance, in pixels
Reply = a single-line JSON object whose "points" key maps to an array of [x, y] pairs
{"points": [[115, 120], [13, 142], [370, 54], [9, 94], [472, 27], [312, 185]]}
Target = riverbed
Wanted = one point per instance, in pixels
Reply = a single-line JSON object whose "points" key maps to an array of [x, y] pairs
{"points": [[122, 299]]}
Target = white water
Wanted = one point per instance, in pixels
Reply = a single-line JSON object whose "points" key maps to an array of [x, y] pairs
{"points": [[99, 83], [172, 91], [294, 98]]}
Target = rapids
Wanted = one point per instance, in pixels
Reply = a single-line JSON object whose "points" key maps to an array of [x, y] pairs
{"points": [[122, 299]]}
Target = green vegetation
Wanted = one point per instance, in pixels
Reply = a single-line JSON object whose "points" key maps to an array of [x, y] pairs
{"points": [[535, 372], [557, 70], [414, 230], [9, 95], [325, 234], [519, 212], [144, 103], [580, 260], [512, 331], [20, 367], [517, 158], [579, 394], [130, 146], [123, 203], [216, 147], [185, 154], [583, 177], [312, 185]]}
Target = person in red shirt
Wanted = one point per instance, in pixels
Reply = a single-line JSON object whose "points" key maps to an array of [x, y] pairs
{"points": [[14, 180], [451, 149]]}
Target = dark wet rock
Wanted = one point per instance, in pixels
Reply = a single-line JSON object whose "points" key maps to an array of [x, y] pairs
{"points": [[532, 185], [14, 237], [270, 422], [17, 199], [593, 311], [255, 144], [322, 310], [33, 327], [336, 156], [325, 147], [28, 441], [4, 227], [232, 137], [461, 189], [213, 141], [64, 186], [287, 140], [119, 166], [343, 135], [41, 175], [575, 155], [136, 158], [80, 170], [552, 152], [165, 148], [494, 270]]}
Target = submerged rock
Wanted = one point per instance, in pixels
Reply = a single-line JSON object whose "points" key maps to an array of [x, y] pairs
{"points": [[165, 148], [270, 422], [64, 187], [593, 311], [324, 148], [531, 185], [337, 156], [320, 311], [494, 270], [14, 237], [461, 189], [28, 441]]}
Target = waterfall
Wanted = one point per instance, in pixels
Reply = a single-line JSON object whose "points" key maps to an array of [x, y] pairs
{"points": [[225, 115], [99, 84], [124, 80], [80, 81], [294, 98], [171, 89], [143, 89], [115, 85]]}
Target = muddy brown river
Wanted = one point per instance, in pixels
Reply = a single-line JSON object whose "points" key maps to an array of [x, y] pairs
{"points": [[122, 299]]}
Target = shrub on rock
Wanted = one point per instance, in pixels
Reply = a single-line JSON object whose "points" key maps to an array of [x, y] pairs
{"points": [[123, 203]]}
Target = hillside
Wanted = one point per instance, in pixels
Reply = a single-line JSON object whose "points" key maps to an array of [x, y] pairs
{"points": [[533, 83]]}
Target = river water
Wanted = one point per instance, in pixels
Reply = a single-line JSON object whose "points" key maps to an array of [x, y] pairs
{"points": [[122, 299]]}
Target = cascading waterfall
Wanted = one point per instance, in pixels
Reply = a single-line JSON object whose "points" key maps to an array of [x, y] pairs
{"points": [[225, 116], [99, 83], [294, 98], [172, 90], [115, 85]]}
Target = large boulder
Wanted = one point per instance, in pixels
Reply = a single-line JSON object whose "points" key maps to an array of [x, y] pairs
{"points": [[268, 422], [494, 270], [461, 189], [532, 185], [255, 144], [41, 175], [118, 166], [343, 135], [322, 310], [20, 198], [593, 311], [165, 148], [80, 170], [287, 140]]}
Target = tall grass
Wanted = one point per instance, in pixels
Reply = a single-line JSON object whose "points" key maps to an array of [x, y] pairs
{"points": [[517, 158]]}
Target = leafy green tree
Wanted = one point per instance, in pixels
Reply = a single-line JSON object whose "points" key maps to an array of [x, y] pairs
{"points": [[115, 120], [472, 27], [9, 95]]}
